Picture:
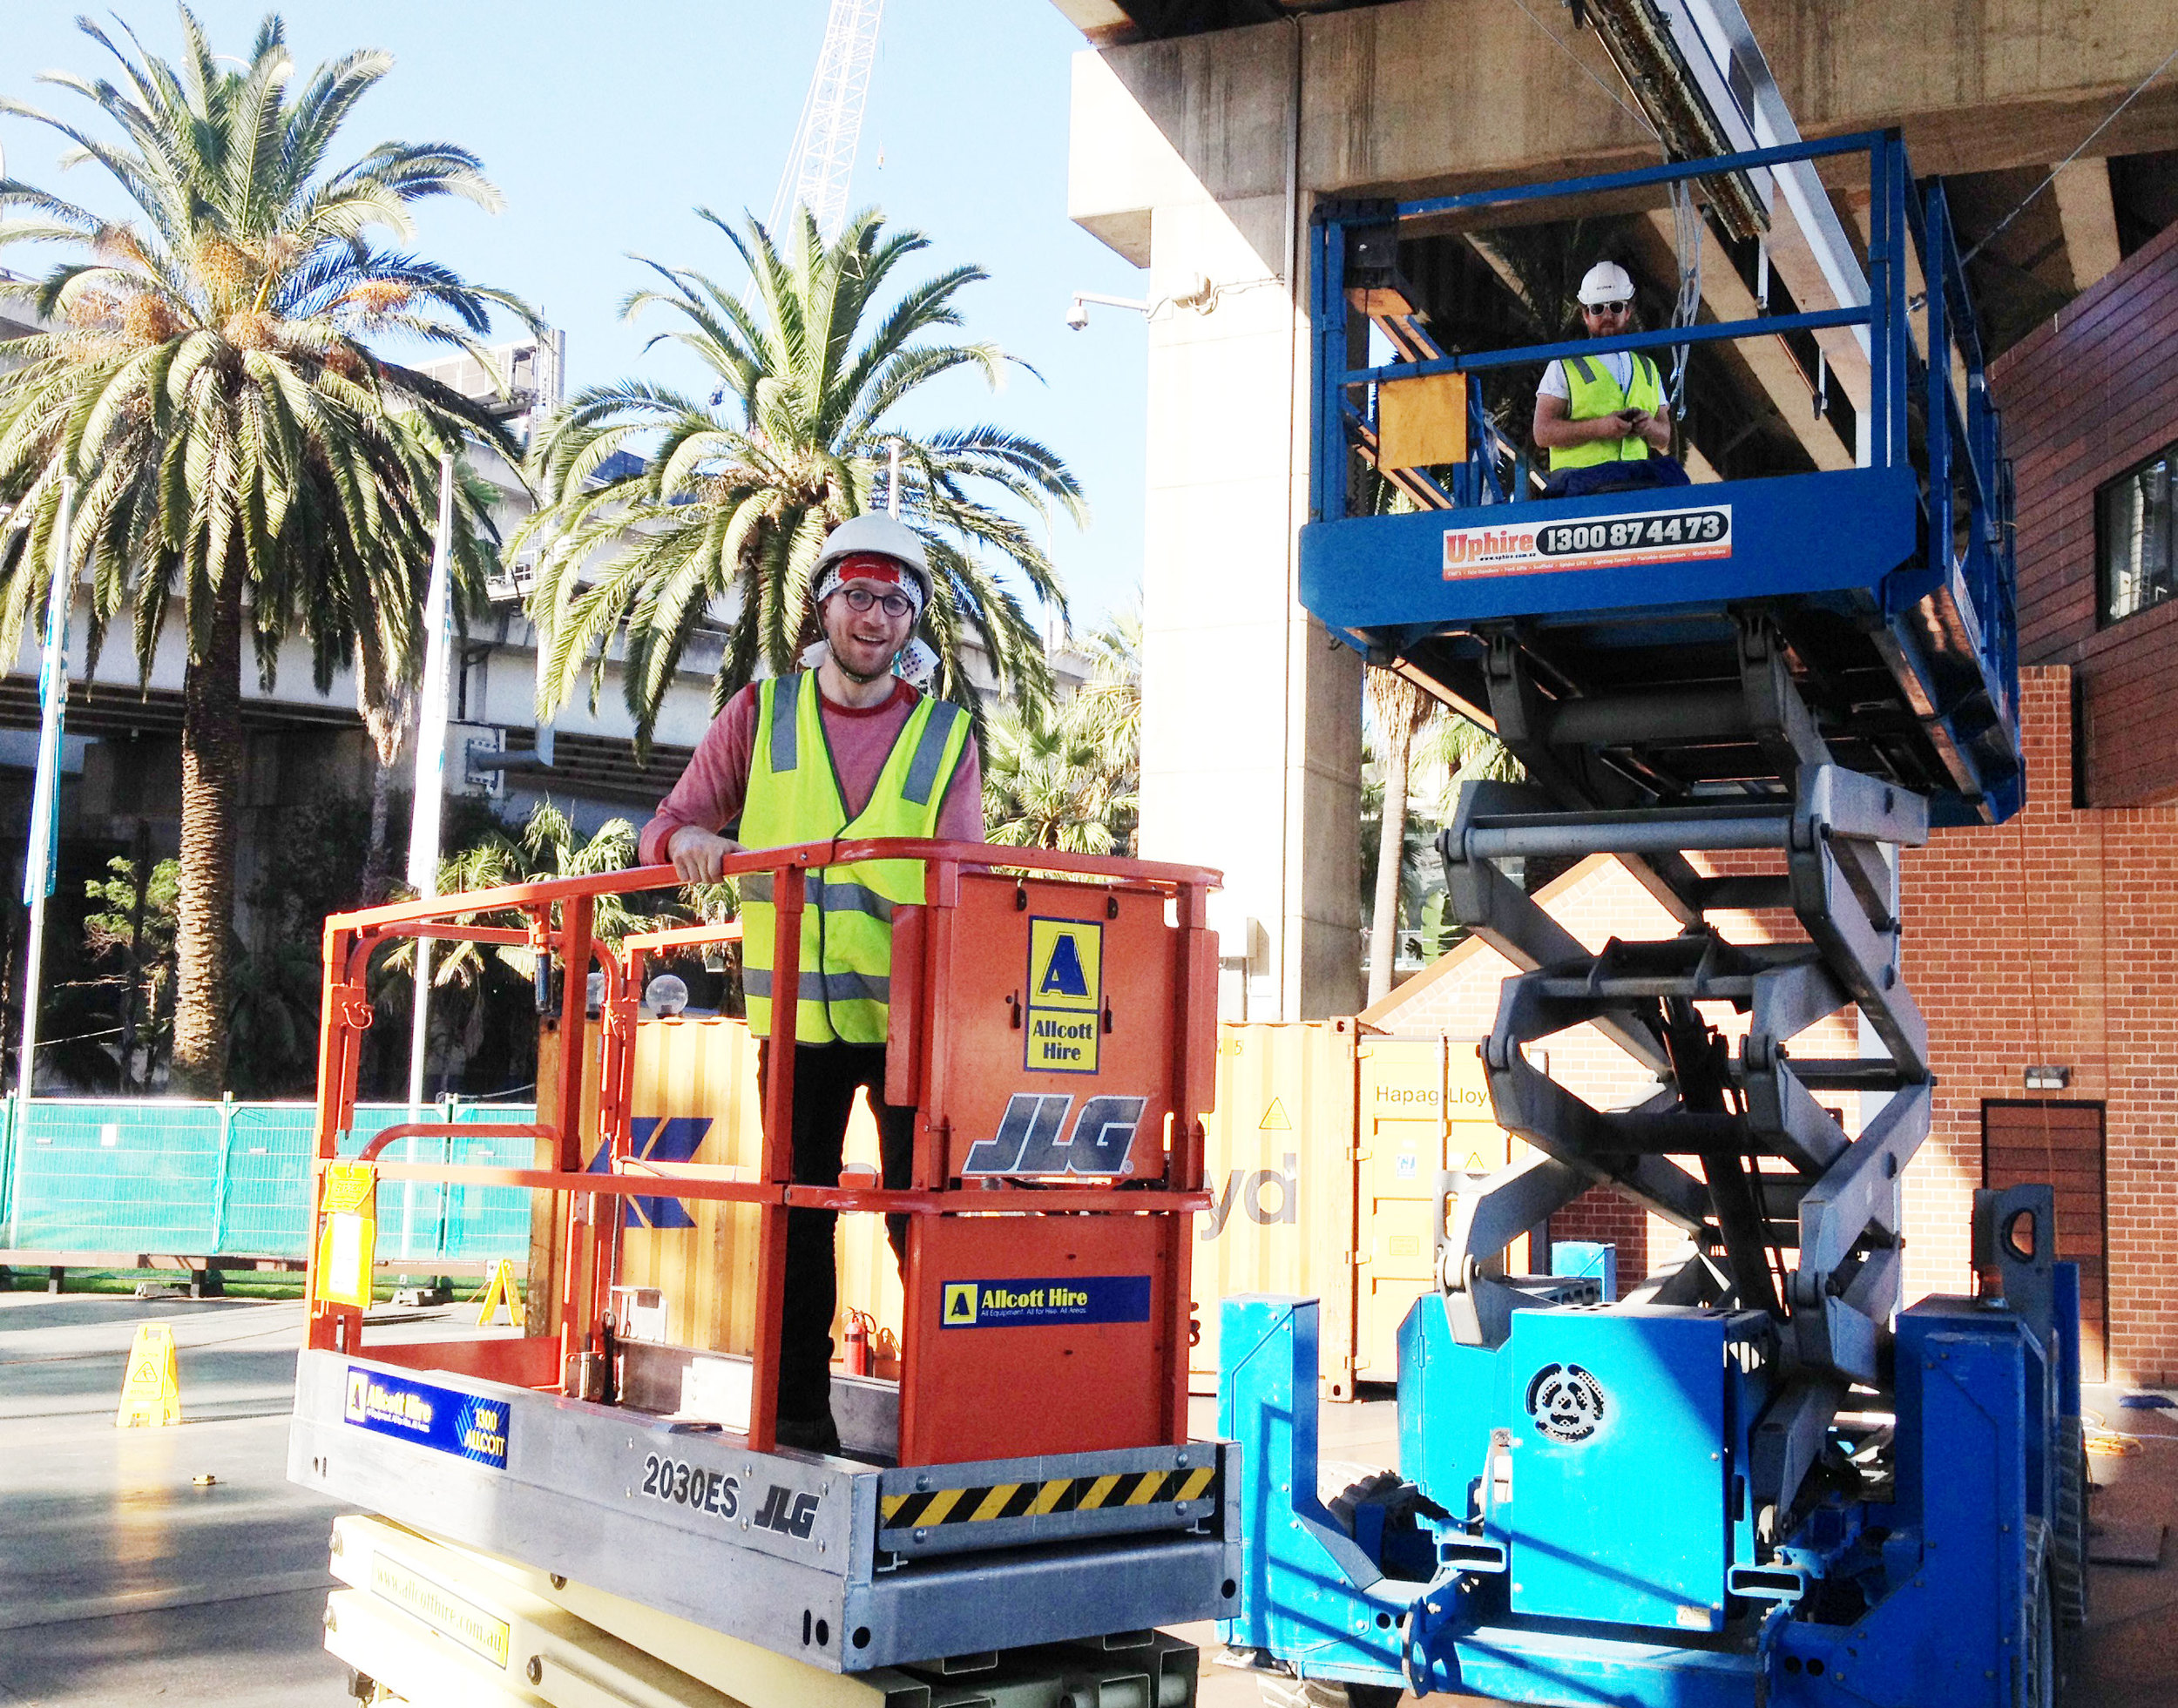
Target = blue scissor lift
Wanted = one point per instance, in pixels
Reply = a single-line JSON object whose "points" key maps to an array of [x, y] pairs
{"points": [[1755, 1480]]}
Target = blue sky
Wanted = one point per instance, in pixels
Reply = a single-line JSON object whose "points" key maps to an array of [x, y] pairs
{"points": [[604, 127]]}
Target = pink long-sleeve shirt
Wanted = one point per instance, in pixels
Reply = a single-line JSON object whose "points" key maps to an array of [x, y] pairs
{"points": [[711, 791]]}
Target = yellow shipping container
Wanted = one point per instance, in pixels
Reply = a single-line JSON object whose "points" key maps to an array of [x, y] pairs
{"points": [[1422, 1105], [1279, 1161], [693, 1099], [1322, 1159]]}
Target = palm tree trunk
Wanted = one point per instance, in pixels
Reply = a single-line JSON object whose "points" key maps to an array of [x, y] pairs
{"points": [[388, 709], [1391, 843], [378, 861], [211, 744]]}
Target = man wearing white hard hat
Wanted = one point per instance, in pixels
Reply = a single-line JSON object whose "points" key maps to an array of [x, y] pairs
{"points": [[844, 748], [1601, 417]]}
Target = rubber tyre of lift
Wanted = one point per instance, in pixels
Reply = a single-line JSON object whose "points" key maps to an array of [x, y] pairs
{"points": [[1284, 1692], [2043, 1684], [2068, 1538], [1342, 1485]]}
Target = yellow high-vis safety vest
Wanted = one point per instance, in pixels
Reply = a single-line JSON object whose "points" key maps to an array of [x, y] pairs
{"points": [[794, 796], [1594, 395]]}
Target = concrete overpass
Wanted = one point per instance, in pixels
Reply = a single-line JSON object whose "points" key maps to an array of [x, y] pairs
{"points": [[1202, 132]]}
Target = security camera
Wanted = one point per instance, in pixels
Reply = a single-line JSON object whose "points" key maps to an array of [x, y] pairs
{"points": [[1078, 314]]}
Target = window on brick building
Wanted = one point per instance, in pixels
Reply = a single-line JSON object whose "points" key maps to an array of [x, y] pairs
{"points": [[2137, 527]]}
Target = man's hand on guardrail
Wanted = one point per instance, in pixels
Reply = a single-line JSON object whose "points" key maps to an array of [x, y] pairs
{"points": [[697, 854]]}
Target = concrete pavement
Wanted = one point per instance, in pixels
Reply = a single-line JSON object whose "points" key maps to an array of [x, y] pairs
{"points": [[122, 1580]]}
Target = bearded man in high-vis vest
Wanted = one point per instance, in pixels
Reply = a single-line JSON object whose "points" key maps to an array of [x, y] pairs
{"points": [[1601, 417], [844, 749]]}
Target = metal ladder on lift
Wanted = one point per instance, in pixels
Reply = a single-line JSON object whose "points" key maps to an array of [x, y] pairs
{"points": [[1772, 1169]]}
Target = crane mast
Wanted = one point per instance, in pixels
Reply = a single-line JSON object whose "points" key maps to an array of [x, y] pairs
{"points": [[821, 163]]}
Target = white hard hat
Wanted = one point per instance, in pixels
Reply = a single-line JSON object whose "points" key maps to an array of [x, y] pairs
{"points": [[1606, 282], [877, 532]]}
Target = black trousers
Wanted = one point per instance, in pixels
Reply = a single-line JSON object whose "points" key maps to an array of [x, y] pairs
{"points": [[825, 1079]]}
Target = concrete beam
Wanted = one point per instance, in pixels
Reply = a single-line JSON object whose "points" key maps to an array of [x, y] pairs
{"points": [[1766, 359], [1425, 97], [2089, 218], [1977, 86]]}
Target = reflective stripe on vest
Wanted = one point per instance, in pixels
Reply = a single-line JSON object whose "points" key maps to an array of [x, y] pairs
{"points": [[1594, 393], [794, 796]]}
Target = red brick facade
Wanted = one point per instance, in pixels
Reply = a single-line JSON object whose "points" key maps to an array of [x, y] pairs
{"points": [[2054, 939], [2085, 397]]}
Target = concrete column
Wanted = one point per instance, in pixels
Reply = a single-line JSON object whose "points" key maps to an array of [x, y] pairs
{"points": [[1251, 714]]}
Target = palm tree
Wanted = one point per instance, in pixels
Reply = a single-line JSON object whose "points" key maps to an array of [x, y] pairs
{"points": [[1044, 787], [1402, 711], [1109, 705], [723, 518], [246, 452], [547, 846], [1070, 777], [493, 1019]]}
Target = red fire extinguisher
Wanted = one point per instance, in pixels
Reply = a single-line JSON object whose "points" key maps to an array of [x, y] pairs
{"points": [[859, 1327]]}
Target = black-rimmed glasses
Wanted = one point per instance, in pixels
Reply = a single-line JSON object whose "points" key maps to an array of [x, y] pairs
{"points": [[860, 598]]}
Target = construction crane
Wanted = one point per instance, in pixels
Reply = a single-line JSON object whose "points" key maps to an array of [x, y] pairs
{"points": [[821, 163]]}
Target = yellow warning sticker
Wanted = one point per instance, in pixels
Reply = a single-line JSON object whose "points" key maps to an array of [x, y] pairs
{"points": [[349, 1239], [960, 1304], [1066, 995], [1273, 1119]]}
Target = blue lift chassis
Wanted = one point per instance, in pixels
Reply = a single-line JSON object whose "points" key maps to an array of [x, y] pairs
{"points": [[1756, 1480]]}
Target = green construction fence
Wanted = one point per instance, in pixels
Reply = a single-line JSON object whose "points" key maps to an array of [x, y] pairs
{"points": [[182, 1179]]}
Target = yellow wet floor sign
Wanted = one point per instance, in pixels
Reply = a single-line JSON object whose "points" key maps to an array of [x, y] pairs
{"points": [[502, 1291], [151, 1393]]}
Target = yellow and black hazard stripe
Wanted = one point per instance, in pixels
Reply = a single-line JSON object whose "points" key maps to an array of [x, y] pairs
{"points": [[1034, 1499]]}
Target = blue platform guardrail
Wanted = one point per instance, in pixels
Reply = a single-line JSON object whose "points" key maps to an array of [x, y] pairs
{"points": [[175, 1177], [1912, 547]]}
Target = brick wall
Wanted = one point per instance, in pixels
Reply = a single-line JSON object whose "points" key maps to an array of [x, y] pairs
{"points": [[2054, 939], [2085, 396]]}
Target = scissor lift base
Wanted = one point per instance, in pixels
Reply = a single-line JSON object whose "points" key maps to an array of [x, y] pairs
{"points": [[696, 1524], [425, 1623]]}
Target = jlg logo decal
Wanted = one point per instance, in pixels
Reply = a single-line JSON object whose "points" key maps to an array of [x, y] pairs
{"points": [[1028, 1140], [790, 1514], [1245, 1186]]}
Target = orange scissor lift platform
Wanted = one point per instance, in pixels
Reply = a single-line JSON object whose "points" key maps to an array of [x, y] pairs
{"points": [[1028, 1479]]}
